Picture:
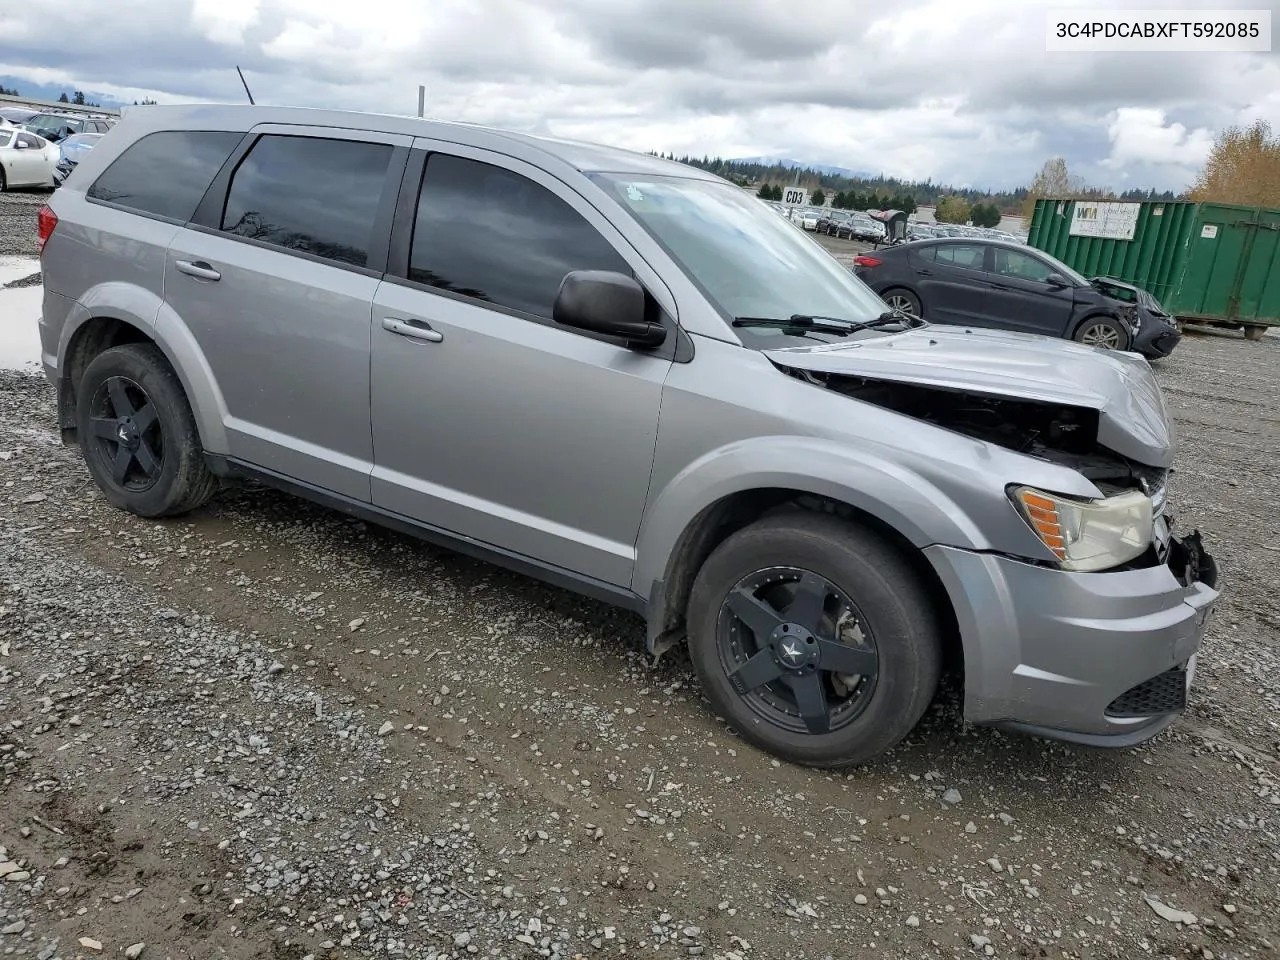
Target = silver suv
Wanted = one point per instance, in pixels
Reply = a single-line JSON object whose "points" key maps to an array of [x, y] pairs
{"points": [[632, 379]]}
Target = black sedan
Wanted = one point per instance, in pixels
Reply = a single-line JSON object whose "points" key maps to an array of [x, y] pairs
{"points": [[993, 283]]}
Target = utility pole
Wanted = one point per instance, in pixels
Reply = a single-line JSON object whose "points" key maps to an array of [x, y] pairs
{"points": [[422, 99]]}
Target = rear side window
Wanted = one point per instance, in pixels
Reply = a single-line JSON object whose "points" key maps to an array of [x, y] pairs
{"points": [[309, 194], [489, 233], [5, 137], [166, 174], [967, 255]]}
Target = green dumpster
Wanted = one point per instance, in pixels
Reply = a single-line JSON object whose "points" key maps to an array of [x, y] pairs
{"points": [[1207, 263]]}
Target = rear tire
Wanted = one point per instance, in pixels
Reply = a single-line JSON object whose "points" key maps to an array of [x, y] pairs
{"points": [[900, 298], [138, 435], [876, 656], [1255, 332], [4, 181]]}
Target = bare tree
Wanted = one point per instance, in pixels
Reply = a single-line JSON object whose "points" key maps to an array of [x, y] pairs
{"points": [[1053, 180], [1243, 167]]}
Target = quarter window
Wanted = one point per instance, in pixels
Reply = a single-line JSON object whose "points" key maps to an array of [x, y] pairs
{"points": [[166, 174], [488, 233], [309, 194]]}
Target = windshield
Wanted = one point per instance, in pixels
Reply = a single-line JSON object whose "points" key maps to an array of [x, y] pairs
{"points": [[747, 261]]}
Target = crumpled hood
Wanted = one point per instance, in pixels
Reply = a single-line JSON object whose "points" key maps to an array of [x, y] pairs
{"points": [[1133, 420]]}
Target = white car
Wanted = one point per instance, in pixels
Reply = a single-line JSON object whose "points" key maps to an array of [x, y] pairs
{"points": [[26, 160], [809, 219]]}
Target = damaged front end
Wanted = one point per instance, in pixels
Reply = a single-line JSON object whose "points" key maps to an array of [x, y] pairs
{"points": [[1103, 419], [1062, 434]]}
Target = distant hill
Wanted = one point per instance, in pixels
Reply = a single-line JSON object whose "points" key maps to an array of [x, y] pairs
{"points": [[805, 165], [51, 91]]}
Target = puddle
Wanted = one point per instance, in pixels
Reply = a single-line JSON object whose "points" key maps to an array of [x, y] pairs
{"points": [[19, 315]]}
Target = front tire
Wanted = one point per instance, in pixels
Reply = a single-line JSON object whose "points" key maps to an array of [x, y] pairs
{"points": [[814, 638], [1103, 333], [138, 435]]}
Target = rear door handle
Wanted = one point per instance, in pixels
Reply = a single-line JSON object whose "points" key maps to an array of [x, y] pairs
{"points": [[197, 268], [415, 329], [925, 273]]}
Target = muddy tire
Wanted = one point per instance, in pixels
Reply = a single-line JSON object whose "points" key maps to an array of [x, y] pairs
{"points": [[138, 435], [1255, 332], [814, 638]]}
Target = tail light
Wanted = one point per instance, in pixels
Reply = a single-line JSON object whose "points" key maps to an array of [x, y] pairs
{"points": [[864, 261], [46, 220]]}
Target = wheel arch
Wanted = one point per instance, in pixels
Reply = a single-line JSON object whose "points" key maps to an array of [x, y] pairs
{"points": [[726, 490], [715, 523], [90, 331]]}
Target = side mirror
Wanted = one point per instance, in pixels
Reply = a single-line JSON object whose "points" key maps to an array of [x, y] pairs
{"points": [[1056, 280], [608, 303], [20, 145]]}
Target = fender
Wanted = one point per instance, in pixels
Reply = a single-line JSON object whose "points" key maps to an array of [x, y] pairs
{"points": [[897, 497], [144, 310]]}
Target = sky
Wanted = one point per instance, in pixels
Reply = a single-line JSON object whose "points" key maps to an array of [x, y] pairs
{"points": [[959, 91]]}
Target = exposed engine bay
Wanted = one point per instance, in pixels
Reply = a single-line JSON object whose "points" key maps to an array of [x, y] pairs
{"points": [[1064, 435]]}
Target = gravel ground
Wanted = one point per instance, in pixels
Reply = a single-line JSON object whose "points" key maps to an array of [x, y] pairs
{"points": [[18, 221], [268, 730]]}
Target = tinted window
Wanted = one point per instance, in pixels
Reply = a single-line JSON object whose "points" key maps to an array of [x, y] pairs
{"points": [[31, 140], [488, 233], [968, 255], [1014, 263], [309, 194], [167, 173]]}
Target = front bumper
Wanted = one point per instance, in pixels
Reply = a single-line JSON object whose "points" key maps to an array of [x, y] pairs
{"points": [[1092, 658], [1155, 339]]}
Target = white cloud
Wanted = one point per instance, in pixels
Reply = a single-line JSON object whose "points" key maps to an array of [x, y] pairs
{"points": [[963, 93], [224, 21], [1144, 136]]}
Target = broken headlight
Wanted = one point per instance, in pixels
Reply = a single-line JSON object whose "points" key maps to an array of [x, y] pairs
{"points": [[1088, 534]]}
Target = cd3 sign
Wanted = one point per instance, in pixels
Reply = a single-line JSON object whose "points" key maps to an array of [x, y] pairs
{"points": [[795, 196]]}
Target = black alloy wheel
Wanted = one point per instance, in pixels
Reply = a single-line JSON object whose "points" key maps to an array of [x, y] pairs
{"points": [[797, 650], [128, 438]]}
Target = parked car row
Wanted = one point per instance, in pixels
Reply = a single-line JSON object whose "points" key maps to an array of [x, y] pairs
{"points": [[53, 126], [928, 231], [851, 225], [41, 149]]}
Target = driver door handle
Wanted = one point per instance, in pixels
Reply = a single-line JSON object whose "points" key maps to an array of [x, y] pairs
{"points": [[198, 269], [414, 329]]}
